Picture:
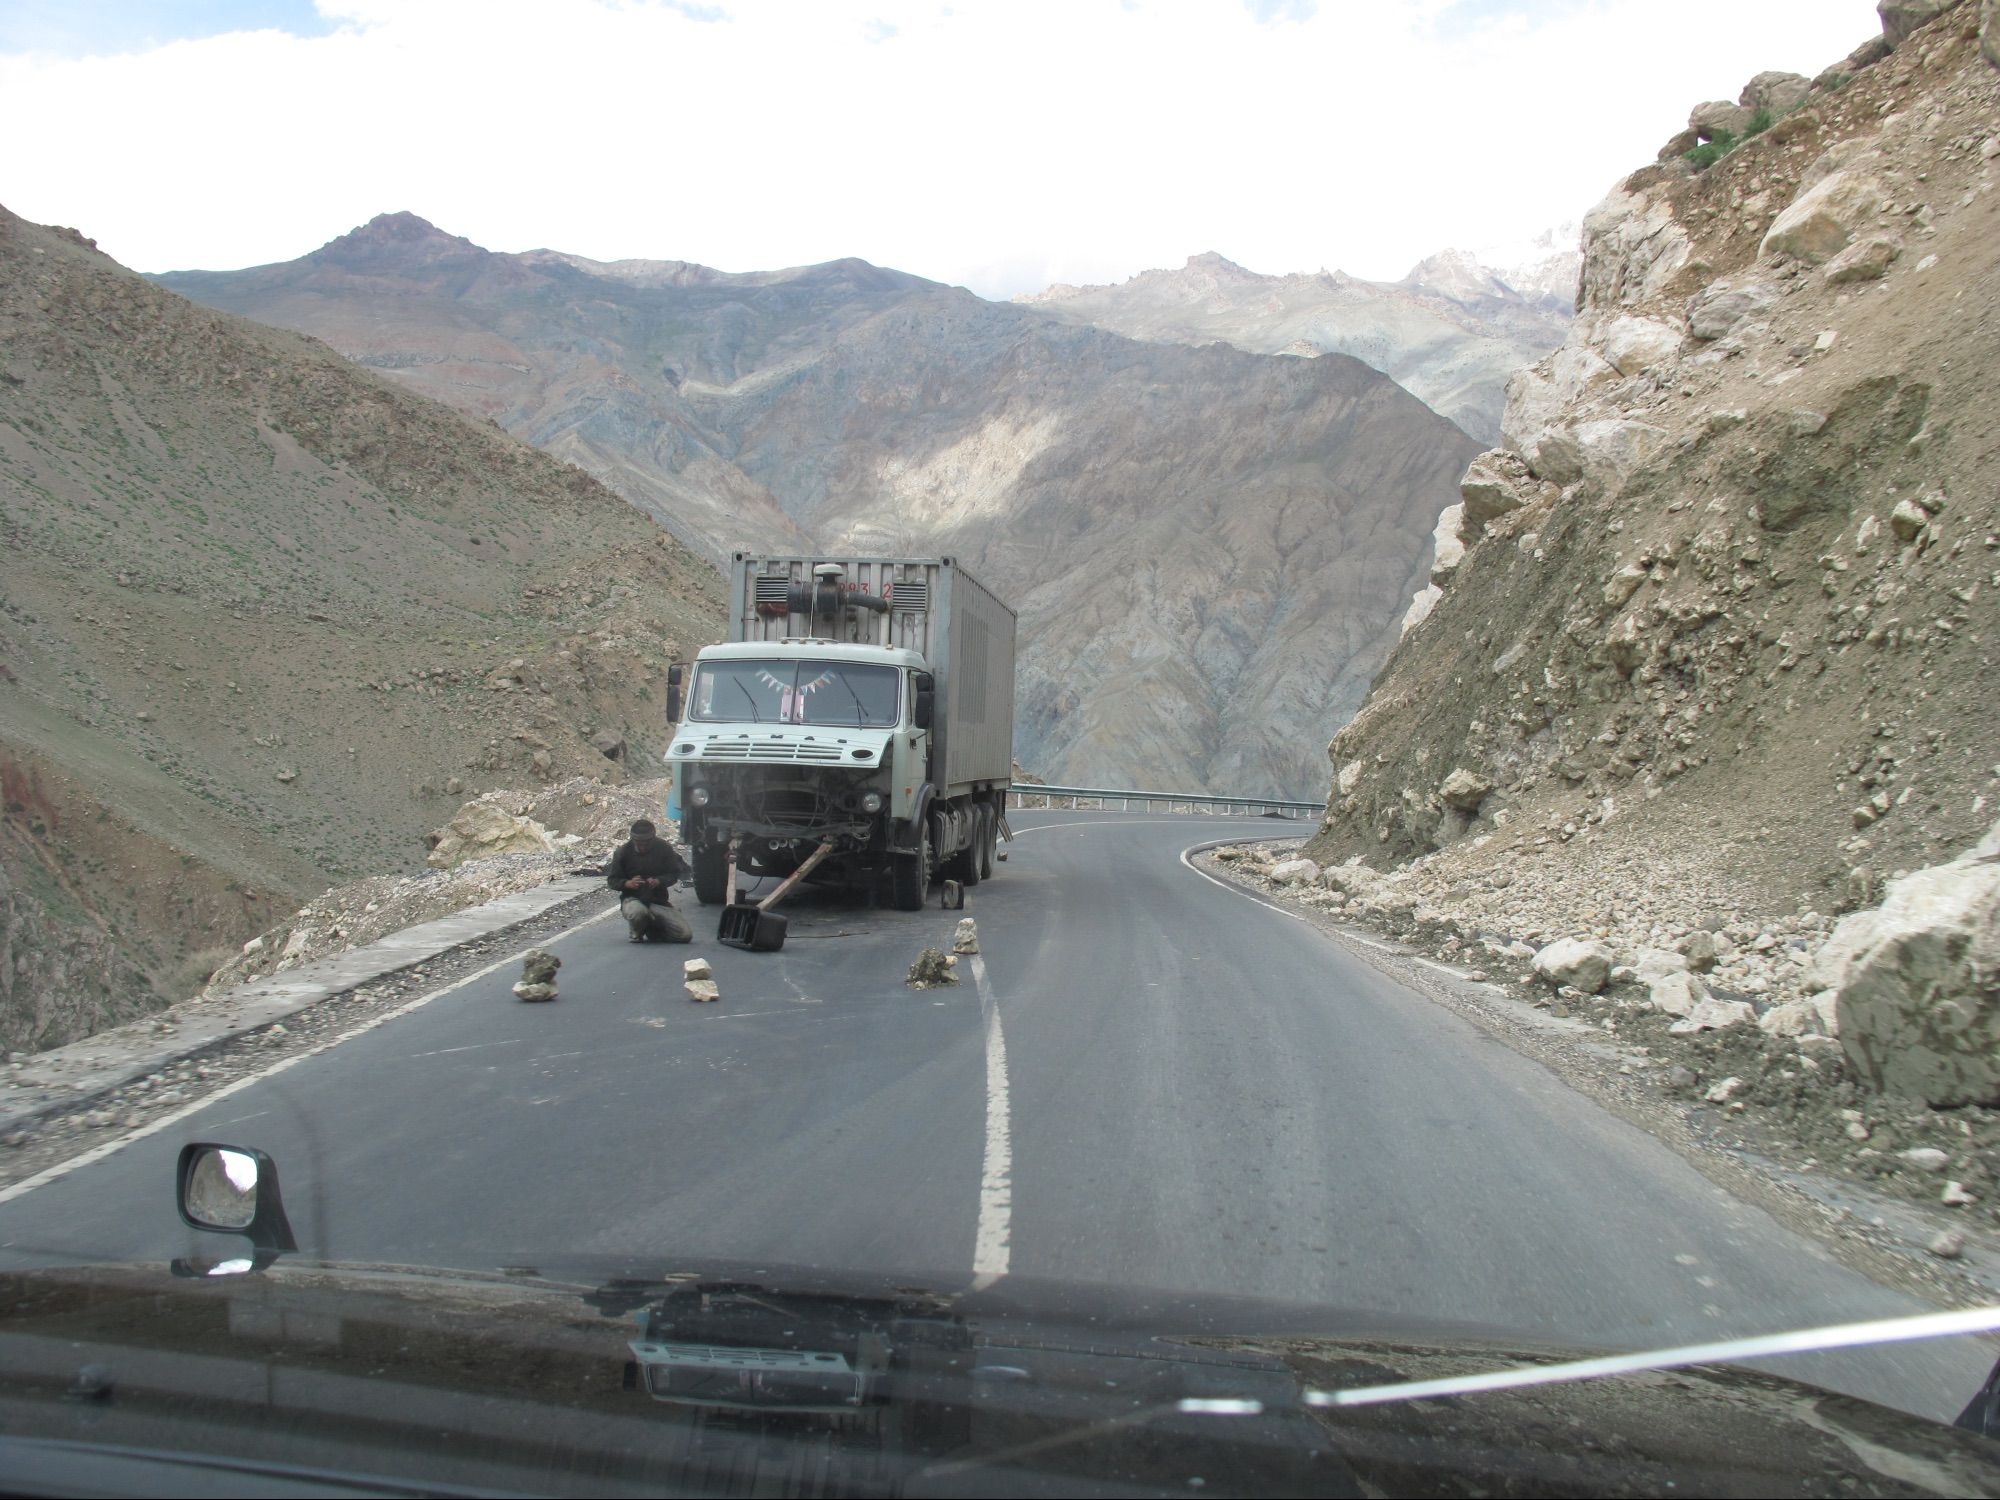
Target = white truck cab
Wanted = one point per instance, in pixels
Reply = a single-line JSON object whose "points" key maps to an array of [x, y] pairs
{"points": [[848, 711]]}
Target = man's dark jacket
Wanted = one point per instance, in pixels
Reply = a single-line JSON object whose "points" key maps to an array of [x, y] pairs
{"points": [[661, 862]]}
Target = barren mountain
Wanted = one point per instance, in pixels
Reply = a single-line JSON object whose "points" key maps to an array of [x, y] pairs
{"points": [[1451, 332], [1209, 548], [265, 620], [1710, 659]]}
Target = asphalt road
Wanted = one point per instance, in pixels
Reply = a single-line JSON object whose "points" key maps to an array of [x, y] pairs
{"points": [[1198, 1093]]}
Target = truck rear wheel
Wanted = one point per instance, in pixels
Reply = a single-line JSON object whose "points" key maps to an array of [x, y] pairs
{"points": [[711, 874], [910, 874], [964, 865], [989, 835]]}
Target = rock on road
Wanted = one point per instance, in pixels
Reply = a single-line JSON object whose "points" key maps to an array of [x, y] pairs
{"points": [[1151, 1080]]}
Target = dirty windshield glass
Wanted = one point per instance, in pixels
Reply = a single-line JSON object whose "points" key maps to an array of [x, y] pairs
{"points": [[1319, 713], [796, 692]]}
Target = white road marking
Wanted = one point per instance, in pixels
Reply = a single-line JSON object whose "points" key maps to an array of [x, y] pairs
{"points": [[470, 1047], [1233, 889], [1348, 933], [789, 1011], [97, 1153], [990, 1248]]}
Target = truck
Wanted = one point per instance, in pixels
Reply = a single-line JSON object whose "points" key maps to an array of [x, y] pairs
{"points": [[857, 725]]}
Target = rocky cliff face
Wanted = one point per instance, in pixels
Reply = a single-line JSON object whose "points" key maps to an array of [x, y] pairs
{"points": [[1451, 332], [265, 619], [1709, 650], [1209, 549]]}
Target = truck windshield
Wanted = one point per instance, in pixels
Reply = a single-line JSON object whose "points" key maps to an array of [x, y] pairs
{"points": [[795, 692]]}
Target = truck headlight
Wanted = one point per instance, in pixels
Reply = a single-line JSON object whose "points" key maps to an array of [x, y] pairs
{"points": [[698, 796], [871, 802]]}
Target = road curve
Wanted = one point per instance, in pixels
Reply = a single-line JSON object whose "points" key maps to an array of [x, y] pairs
{"points": [[1199, 1093]]}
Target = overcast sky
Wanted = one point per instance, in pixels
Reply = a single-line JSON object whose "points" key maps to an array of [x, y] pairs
{"points": [[1000, 144]]}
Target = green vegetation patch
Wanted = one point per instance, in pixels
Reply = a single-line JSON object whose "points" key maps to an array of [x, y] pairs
{"points": [[1708, 153]]}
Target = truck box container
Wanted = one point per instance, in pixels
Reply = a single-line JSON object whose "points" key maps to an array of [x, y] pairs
{"points": [[936, 609]]}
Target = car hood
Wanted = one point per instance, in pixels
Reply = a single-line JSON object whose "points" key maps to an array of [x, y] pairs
{"points": [[608, 1377]]}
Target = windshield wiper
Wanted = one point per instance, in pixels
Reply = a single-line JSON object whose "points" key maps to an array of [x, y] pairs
{"points": [[755, 717], [1757, 1346], [860, 708]]}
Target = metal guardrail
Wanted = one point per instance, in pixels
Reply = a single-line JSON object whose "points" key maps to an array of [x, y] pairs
{"points": [[1034, 794]]}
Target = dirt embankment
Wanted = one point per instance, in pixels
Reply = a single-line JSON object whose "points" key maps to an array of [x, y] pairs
{"points": [[1694, 734], [265, 620]]}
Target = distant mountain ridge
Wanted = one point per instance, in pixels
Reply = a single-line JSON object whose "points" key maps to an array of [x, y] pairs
{"points": [[1210, 549], [1451, 332]]}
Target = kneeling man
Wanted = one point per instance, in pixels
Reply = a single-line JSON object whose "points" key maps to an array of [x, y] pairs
{"points": [[643, 871]]}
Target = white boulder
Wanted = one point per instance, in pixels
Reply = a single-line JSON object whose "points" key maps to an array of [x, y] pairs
{"points": [[1718, 307], [1675, 993], [1826, 218], [484, 828], [1632, 249], [1494, 483], [1616, 447], [1295, 872], [1540, 401], [1864, 260], [1780, 93], [1900, 18], [1421, 604], [1917, 984], [1793, 1018], [1464, 790], [1572, 961], [1447, 547], [1623, 584], [1633, 345], [1908, 520], [1712, 1014], [1649, 964], [1719, 117]]}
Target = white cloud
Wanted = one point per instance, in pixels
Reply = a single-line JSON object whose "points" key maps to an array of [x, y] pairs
{"points": [[1282, 10], [1001, 144]]}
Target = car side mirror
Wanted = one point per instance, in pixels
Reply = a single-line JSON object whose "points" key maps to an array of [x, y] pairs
{"points": [[233, 1190], [924, 709], [674, 693]]}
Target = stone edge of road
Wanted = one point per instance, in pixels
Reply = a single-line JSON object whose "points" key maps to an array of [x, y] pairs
{"points": [[1567, 1049], [67, 1079]]}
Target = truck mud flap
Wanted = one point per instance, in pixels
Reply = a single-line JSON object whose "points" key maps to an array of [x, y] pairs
{"points": [[748, 928]]}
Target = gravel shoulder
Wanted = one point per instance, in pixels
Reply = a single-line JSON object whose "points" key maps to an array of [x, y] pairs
{"points": [[1633, 1073]]}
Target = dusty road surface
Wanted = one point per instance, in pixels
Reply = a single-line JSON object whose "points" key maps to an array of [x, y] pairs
{"points": [[1146, 1079]]}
